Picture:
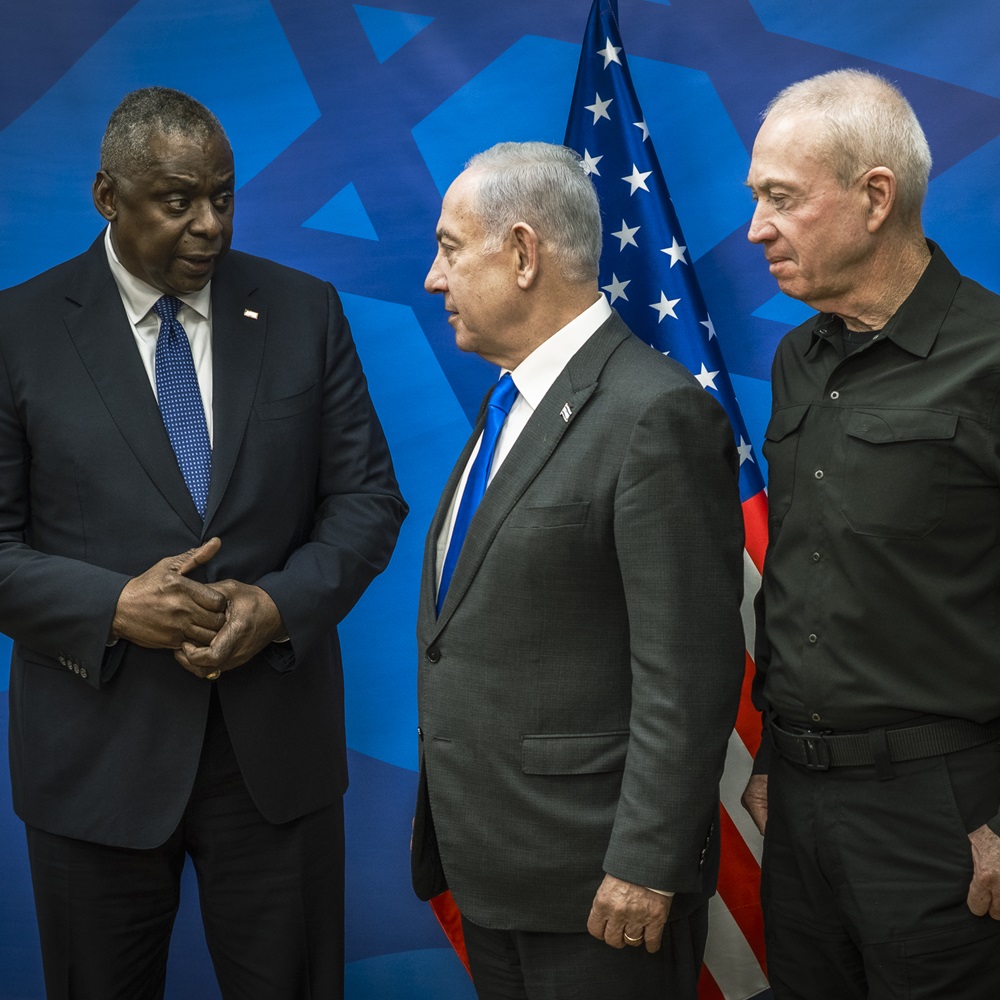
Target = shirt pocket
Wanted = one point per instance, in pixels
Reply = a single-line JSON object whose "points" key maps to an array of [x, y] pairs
{"points": [[897, 471], [781, 443]]}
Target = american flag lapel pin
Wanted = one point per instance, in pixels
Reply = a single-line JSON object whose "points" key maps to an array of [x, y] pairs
{"points": [[250, 314], [566, 412]]}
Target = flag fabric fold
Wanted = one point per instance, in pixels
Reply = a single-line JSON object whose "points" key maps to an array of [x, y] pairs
{"points": [[648, 274]]}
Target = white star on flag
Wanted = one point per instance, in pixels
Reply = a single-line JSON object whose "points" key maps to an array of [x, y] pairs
{"points": [[645, 129], [637, 179], [707, 378], [600, 108], [665, 307], [589, 164], [745, 450], [710, 326], [610, 53], [627, 235], [675, 252], [616, 288]]}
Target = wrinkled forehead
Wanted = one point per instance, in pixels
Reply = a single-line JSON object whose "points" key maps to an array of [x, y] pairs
{"points": [[787, 146]]}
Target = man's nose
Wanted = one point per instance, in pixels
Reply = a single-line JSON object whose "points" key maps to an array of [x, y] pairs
{"points": [[207, 220], [434, 282], [761, 228]]}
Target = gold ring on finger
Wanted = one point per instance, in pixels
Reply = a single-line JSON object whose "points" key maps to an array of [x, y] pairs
{"points": [[632, 940], [213, 676]]}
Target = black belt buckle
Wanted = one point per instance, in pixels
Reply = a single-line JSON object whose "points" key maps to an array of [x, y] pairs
{"points": [[817, 751]]}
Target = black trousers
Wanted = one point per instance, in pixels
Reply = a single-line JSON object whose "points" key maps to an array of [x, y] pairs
{"points": [[864, 881], [271, 898], [526, 965]]}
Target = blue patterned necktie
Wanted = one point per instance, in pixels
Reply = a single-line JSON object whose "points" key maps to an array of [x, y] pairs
{"points": [[499, 406], [180, 402]]}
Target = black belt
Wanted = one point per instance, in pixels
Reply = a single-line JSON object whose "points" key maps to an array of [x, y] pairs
{"points": [[820, 751]]}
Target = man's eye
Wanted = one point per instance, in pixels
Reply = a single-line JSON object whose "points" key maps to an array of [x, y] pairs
{"points": [[223, 201], [178, 204]]}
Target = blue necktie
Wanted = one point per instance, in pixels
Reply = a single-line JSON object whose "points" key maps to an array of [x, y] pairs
{"points": [[180, 402], [475, 486]]}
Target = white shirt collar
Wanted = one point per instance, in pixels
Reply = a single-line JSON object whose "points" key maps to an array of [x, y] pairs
{"points": [[139, 297], [536, 373]]}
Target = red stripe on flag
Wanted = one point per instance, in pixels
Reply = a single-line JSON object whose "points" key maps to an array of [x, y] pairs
{"points": [[448, 916], [748, 724], [739, 886], [755, 526], [708, 988]]}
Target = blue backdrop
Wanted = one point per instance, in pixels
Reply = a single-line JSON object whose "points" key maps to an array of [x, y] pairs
{"points": [[348, 122]]}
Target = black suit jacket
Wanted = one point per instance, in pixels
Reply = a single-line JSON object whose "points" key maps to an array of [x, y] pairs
{"points": [[104, 743], [577, 691]]}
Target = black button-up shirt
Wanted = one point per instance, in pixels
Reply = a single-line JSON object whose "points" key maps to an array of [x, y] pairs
{"points": [[881, 593]]}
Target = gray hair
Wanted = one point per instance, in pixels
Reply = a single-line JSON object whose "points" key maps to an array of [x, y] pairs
{"points": [[867, 123], [145, 113], [545, 186]]}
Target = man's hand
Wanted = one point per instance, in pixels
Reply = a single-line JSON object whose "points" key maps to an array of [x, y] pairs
{"points": [[252, 621], [984, 892], [754, 800], [626, 914], [162, 608]]}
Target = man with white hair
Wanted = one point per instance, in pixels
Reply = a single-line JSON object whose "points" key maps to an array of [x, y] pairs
{"points": [[879, 775], [579, 630]]}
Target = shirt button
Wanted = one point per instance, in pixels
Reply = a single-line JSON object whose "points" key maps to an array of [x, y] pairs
{"points": [[818, 473], [813, 637], [834, 394], [816, 717]]}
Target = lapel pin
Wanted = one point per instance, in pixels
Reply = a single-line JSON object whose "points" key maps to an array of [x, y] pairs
{"points": [[250, 314], [566, 412]]}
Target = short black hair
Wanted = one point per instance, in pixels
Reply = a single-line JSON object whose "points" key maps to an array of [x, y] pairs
{"points": [[147, 112]]}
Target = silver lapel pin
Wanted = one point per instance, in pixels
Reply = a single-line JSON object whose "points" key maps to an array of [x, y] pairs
{"points": [[250, 314], [566, 412]]}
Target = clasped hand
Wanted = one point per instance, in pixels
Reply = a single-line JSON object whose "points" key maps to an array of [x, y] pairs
{"points": [[210, 627]]}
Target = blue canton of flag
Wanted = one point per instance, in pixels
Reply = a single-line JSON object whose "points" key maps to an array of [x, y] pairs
{"points": [[646, 268]]}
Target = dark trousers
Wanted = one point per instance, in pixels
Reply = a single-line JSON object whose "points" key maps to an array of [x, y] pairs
{"points": [[864, 881], [526, 965], [271, 898]]}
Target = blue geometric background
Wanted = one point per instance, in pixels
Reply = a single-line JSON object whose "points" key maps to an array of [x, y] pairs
{"points": [[348, 122]]}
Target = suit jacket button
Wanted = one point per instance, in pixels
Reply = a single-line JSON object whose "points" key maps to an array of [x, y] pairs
{"points": [[83, 672], [433, 654]]}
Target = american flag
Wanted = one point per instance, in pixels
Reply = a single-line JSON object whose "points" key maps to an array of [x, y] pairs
{"points": [[648, 275]]}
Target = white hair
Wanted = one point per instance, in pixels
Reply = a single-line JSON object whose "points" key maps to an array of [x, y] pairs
{"points": [[544, 186], [867, 122]]}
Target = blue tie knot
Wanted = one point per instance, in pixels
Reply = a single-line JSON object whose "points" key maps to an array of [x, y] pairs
{"points": [[504, 394], [166, 308]]}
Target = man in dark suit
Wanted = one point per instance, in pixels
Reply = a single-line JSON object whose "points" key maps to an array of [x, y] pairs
{"points": [[162, 396], [581, 650]]}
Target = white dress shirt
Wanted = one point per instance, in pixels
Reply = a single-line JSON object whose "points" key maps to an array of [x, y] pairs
{"points": [[533, 377], [195, 315]]}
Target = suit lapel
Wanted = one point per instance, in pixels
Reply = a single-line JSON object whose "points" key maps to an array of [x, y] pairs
{"points": [[239, 324], [102, 334], [533, 448]]}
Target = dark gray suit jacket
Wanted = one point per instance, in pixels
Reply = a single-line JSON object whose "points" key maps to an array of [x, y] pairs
{"points": [[577, 692], [104, 744]]}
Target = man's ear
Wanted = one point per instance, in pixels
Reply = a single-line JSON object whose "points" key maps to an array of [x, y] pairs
{"points": [[106, 195], [525, 243], [880, 189]]}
